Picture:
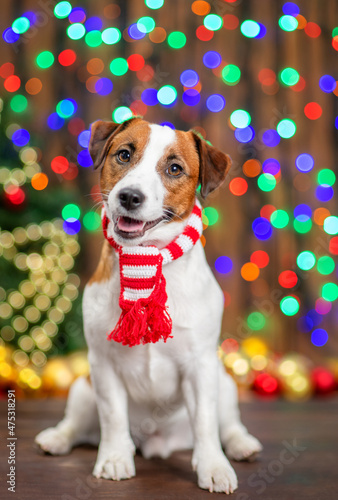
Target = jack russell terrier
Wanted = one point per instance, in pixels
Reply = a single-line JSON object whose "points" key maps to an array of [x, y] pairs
{"points": [[156, 382]]}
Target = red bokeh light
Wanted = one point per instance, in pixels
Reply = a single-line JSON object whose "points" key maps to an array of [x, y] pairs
{"points": [[67, 57], [260, 258], [204, 34], [313, 111], [288, 279], [59, 164]]}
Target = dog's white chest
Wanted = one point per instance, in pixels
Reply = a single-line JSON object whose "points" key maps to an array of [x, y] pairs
{"points": [[152, 372]]}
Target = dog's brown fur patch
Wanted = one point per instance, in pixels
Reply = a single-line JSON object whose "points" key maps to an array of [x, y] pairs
{"points": [[181, 191], [134, 139]]}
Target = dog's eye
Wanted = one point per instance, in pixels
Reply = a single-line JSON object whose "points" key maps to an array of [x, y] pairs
{"points": [[123, 155], [175, 170]]}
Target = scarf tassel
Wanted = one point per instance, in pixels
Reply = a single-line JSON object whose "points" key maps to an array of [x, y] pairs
{"points": [[146, 321]]}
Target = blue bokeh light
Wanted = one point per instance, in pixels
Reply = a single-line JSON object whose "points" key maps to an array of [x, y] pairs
{"points": [[21, 137], [10, 36], [327, 83], [189, 78], [271, 166], [262, 228], [55, 121], [212, 59], [302, 212], [291, 9], [319, 337], [324, 192], [78, 15], [135, 33], [104, 86], [149, 97], [84, 159], [83, 138], [215, 103], [223, 264], [191, 97], [304, 162], [245, 134], [93, 23], [71, 226], [271, 138]]}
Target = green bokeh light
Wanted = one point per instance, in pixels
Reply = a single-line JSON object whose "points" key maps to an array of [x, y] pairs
{"points": [[331, 225], [71, 210], [289, 76], [45, 59], [62, 10], [266, 182], [256, 321], [211, 215], [286, 128], [279, 219], [289, 306], [231, 74], [240, 118], [76, 31], [20, 25], [167, 95], [330, 292], [18, 103], [213, 22], [119, 66], [176, 40], [91, 221], [288, 23], [302, 226], [250, 28], [325, 265], [145, 24], [306, 260], [93, 38], [154, 4], [121, 114], [326, 176], [111, 36]]}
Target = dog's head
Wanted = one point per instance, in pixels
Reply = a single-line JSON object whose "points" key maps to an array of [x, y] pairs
{"points": [[149, 177]]}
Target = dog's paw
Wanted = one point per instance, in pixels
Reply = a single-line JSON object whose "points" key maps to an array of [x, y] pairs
{"points": [[215, 474], [115, 466], [53, 441], [243, 447]]}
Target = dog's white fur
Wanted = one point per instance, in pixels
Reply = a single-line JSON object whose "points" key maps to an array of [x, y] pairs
{"points": [[158, 397]]}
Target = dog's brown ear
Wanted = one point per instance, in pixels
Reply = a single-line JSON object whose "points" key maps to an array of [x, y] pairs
{"points": [[101, 133], [214, 165]]}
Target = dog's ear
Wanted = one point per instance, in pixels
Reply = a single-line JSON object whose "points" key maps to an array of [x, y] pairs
{"points": [[101, 134], [214, 165]]}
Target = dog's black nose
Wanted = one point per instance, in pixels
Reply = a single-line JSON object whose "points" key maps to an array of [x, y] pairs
{"points": [[130, 198]]}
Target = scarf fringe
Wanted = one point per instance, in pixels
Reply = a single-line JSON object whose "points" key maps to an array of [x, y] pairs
{"points": [[145, 321]]}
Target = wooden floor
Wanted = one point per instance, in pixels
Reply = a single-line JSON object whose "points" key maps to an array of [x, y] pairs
{"points": [[299, 461]]}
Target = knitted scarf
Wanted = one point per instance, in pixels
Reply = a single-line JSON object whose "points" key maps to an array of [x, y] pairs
{"points": [[145, 317]]}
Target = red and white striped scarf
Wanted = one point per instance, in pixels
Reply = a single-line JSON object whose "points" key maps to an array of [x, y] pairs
{"points": [[145, 317]]}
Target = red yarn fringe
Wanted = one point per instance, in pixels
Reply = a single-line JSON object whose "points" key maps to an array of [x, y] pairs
{"points": [[147, 320]]}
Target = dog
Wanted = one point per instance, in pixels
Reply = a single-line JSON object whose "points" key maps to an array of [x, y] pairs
{"points": [[174, 393]]}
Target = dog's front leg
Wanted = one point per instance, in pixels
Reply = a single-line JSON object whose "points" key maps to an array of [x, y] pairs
{"points": [[115, 458], [200, 388]]}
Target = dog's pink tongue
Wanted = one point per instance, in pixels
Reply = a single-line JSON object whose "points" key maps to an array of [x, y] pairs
{"points": [[129, 225]]}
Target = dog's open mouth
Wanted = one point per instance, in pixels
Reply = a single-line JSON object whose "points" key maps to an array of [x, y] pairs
{"points": [[129, 228]]}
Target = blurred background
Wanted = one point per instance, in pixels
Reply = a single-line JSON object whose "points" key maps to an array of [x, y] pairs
{"points": [[258, 80]]}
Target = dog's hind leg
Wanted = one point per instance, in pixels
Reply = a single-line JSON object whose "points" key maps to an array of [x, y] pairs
{"points": [[79, 425], [238, 443]]}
